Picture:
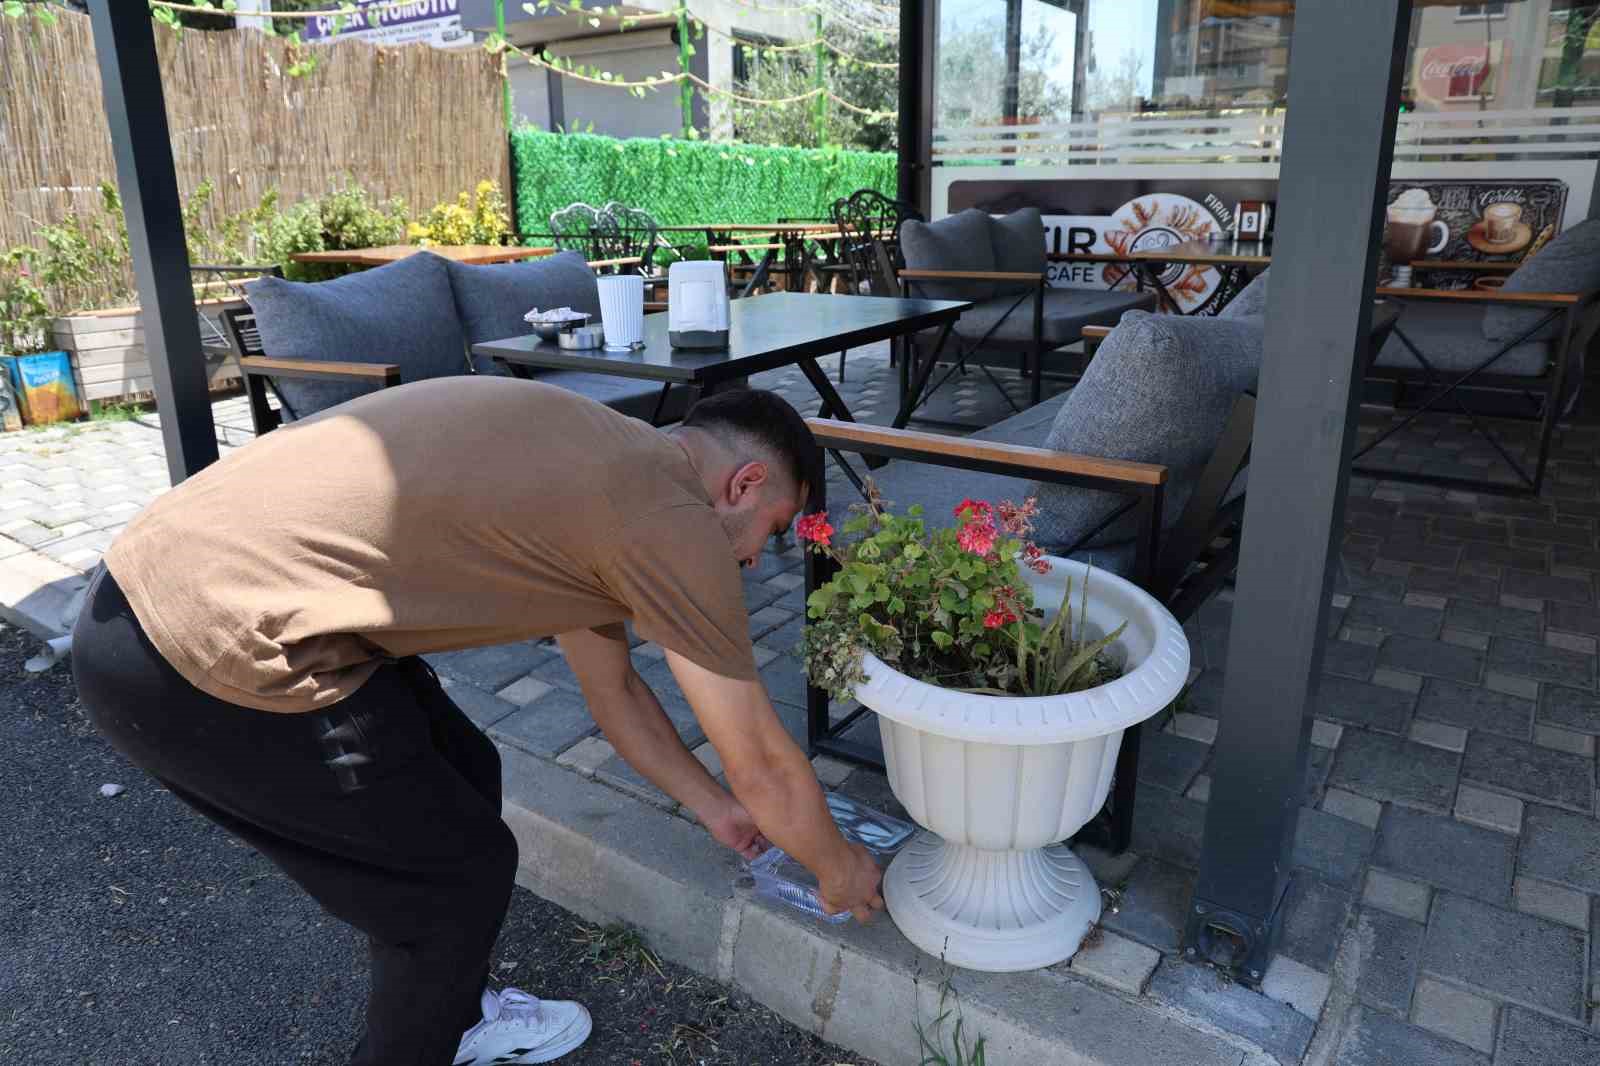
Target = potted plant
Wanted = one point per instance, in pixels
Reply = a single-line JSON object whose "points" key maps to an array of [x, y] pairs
{"points": [[37, 385], [1002, 679]]}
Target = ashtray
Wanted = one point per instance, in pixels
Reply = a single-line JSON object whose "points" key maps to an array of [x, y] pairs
{"points": [[582, 337], [551, 330]]}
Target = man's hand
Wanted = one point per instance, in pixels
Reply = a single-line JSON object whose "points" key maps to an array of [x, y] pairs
{"points": [[733, 828], [854, 886]]}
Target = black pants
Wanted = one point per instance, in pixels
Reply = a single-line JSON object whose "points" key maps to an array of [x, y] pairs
{"points": [[385, 808]]}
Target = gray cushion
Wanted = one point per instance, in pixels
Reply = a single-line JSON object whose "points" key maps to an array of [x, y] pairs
{"points": [[958, 242], [938, 489], [1159, 390], [1448, 336], [492, 299], [1018, 240], [399, 313], [1066, 312], [1251, 301], [1570, 263]]}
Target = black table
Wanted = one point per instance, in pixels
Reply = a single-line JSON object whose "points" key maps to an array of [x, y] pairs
{"points": [[765, 332]]}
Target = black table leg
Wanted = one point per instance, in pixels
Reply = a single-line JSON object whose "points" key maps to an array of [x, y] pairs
{"points": [[833, 406], [910, 398]]}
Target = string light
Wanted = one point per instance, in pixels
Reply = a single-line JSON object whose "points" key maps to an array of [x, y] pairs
{"points": [[601, 80]]}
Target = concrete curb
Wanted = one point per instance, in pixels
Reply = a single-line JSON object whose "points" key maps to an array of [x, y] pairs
{"points": [[611, 858], [37, 593]]}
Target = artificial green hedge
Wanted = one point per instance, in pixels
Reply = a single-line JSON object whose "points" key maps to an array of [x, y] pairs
{"points": [[684, 182]]}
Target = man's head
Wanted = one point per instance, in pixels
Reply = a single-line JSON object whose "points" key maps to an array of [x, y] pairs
{"points": [[758, 461]]}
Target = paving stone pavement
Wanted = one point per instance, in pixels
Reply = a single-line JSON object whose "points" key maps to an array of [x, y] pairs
{"points": [[1446, 871]]}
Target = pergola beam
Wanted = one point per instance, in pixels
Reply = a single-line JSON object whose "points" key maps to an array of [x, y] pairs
{"points": [[130, 78], [1338, 144]]}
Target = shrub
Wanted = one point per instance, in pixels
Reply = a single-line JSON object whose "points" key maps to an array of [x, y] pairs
{"points": [[345, 218], [479, 217], [24, 314]]}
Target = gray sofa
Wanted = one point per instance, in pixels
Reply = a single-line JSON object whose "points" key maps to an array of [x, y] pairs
{"points": [[1017, 312], [420, 316], [1160, 390]]}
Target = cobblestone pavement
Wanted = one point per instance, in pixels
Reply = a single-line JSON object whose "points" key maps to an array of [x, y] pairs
{"points": [[1445, 901]]}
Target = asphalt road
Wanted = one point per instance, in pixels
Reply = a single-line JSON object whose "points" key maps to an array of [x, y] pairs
{"points": [[135, 933]]}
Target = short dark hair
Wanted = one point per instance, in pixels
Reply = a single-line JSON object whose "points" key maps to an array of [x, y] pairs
{"points": [[766, 419]]}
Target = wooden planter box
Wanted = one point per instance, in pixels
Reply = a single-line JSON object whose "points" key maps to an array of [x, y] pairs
{"points": [[108, 353]]}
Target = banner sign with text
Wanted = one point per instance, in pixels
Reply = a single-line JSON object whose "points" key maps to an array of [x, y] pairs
{"points": [[435, 22]]}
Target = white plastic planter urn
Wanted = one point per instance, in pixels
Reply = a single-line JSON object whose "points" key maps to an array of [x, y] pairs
{"points": [[998, 781]]}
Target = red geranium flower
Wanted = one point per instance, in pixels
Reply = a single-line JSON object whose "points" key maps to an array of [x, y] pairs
{"points": [[977, 536], [1034, 560], [977, 508], [815, 528], [997, 618]]}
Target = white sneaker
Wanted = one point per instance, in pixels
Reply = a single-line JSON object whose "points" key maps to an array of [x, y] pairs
{"points": [[519, 1028]]}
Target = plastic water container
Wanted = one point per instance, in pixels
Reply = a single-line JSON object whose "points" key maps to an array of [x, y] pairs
{"points": [[776, 877]]}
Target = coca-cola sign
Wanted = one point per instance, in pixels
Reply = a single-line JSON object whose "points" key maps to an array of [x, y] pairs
{"points": [[1461, 71]]}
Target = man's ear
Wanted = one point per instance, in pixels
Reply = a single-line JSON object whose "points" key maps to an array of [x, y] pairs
{"points": [[749, 478]]}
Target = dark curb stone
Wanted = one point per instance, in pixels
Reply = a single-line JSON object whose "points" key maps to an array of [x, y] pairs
{"points": [[1471, 707], [1201, 991], [1529, 1039], [1570, 708], [1345, 658], [1313, 921], [1445, 852], [1543, 587], [1457, 586], [1394, 617], [1522, 958], [1434, 505], [1353, 581], [1432, 658], [1376, 1039], [757, 595], [1170, 761], [1390, 948], [872, 788], [785, 680], [616, 772], [1205, 695], [786, 638], [483, 708], [1360, 703], [1534, 560], [494, 667], [1570, 619], [1331, 847], [1168, 826], [1435, 556], [1319, 763], [1552, 533], [1396, 770], [549, 725], [1154, 906], [1496, 621], [1526, 769], [1542, 663], [1468, 529], [1583, 559], [1561, 847]]}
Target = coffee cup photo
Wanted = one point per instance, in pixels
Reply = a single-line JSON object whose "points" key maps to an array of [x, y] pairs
{"points": [[1500, 222]]}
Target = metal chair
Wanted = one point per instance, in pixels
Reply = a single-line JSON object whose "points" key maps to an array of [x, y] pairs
{"points": [[869, 248]]}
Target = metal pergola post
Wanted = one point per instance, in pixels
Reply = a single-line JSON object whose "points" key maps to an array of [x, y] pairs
{"points": [[915, 124], [130, 78], [1344, 84]]}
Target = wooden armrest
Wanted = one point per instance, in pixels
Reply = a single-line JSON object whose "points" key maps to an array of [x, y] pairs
{"points": [[1502, 267], [971, 275], [1097, 333], [1487, 296], [833, 433], [745, 248], [654, 306], [630, 260], [272, 366]]}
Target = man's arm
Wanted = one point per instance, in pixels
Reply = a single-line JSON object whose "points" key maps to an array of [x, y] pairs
{"points": [[636, 725], [771, 776]]}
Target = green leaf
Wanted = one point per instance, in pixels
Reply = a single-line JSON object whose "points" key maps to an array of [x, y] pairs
{"points": [[941, 639], [13, 9]]}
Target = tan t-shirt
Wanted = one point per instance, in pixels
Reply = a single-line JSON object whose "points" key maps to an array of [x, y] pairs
{"points": [[434, 516]]}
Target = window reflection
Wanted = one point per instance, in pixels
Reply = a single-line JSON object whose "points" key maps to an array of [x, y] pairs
{"points": [[1043, 62]]}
